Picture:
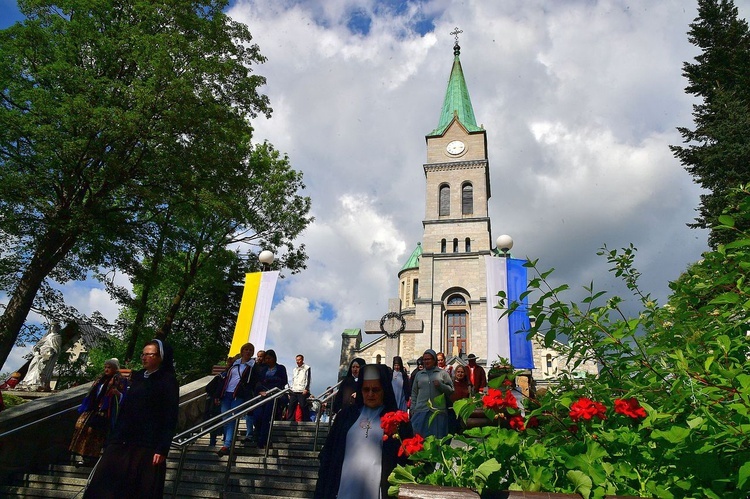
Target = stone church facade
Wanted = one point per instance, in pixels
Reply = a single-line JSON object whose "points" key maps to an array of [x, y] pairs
{"points": [[442, 286]]}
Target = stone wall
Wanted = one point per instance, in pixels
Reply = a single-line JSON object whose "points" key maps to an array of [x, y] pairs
{"points": [[51, 421]]}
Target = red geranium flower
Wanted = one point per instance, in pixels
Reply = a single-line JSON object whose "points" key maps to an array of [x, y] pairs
{"points": [[630, 407], [533, 422], [411, 445], [585, 408], [391, 421], [517, 423], [497, 399]]}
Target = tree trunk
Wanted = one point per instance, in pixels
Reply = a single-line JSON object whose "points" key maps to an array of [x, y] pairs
{"points": [[135, 330], [52, 248], [166, 326]]}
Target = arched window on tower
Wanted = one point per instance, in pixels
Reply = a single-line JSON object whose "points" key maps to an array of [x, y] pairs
{"points": [[445, 200], [467, 199], [443, 246], [455, 245], [468, 245]]}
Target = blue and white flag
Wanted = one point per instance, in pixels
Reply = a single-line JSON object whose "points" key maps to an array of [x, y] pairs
{"points": [[506, 336]]}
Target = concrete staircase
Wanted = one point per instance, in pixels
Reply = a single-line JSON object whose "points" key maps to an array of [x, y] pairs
{"points": [[290, 471]]}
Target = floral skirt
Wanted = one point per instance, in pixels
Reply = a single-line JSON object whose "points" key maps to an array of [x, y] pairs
{"points": [[89, 435]]}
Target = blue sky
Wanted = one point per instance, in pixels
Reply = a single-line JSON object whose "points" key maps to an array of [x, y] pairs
{"points": [[580, 100], [9, 13]]}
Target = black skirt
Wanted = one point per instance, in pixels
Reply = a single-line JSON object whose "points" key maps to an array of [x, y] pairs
{"points": [[126, 470]]}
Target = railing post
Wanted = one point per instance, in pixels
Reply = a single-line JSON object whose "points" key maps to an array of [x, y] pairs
{"points": [[231, 452], [178, 476], [270, 428]]}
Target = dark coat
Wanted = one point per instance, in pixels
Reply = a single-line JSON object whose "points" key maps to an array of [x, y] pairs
{"points": [[480, 377], [148, 416]]}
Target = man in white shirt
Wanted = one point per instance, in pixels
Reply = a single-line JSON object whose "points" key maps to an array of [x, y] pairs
{"points": [[300, 390]]}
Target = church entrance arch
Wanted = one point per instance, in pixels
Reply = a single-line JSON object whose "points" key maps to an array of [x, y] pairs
{"points": [[456, 323]]}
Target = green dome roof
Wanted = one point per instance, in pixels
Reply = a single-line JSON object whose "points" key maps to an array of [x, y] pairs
{"points": [[413, 261]]}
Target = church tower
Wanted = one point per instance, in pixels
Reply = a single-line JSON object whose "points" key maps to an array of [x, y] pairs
{"points": [[449, 284], [444, 281]]}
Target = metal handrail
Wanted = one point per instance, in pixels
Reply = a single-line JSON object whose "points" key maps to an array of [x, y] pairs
{"points": [[324, 397], [188, 437], [32, 423], [76, 406]]}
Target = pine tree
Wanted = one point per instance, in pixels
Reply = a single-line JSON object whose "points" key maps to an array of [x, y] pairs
{"points": [[717, 150]]}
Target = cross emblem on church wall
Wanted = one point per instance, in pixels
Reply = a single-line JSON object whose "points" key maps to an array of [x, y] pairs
{"points": [[392, 325]]}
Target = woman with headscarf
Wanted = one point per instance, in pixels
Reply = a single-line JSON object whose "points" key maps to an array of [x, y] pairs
{"points": [[400, 383], [355, 450], [273, 375], [430, 398], [134, 460], [348, 388], [98, 412]]}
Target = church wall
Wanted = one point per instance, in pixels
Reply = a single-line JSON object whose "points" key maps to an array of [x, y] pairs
{"points": [[476, 230]]}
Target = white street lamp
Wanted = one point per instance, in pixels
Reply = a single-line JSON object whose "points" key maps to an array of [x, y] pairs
{"points": [[504, 243], [266, 258]]}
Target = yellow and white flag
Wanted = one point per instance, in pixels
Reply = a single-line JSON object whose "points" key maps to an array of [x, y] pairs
{"points": [[255, 308]]}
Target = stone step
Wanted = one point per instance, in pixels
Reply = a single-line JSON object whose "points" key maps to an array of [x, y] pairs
{"points": [[290, 470], [20, 491]]}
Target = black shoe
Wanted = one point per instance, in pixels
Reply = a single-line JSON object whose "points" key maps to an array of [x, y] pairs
{"points": [[224, 451]]}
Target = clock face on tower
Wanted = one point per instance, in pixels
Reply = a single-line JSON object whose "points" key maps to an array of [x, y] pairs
{"points": [[455, 147]]}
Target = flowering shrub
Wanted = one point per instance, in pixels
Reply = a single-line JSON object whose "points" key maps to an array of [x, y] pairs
{"points": [[668, 415]]}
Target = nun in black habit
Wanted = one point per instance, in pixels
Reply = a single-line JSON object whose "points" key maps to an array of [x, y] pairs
{"points": [[348, 388], [134, 460], [355, 462]]}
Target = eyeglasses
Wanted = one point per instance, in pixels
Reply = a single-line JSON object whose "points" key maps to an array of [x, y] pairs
{"points": [[149, 355]]}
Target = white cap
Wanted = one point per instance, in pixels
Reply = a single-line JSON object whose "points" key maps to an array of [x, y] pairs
{"points": [[371, 372]]}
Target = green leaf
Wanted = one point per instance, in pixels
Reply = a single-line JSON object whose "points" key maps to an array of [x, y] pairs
{"points": [[581, 482], [741, 243], [695, 422], [726, 220], [402, 474], [487, 468], [725, 298], [675, 435], [743, 475]]}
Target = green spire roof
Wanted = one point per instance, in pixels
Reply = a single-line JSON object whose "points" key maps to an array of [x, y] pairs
{"points": [[457, 101], [413, 261]]}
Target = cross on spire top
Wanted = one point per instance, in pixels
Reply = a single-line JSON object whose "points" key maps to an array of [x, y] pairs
{"points": [[456, 46]]}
